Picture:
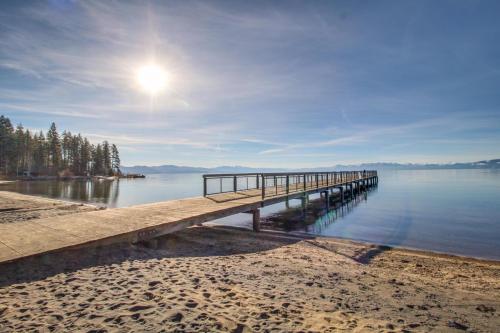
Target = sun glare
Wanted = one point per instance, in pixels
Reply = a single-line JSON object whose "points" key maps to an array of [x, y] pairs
{"points": [[152, 78]]}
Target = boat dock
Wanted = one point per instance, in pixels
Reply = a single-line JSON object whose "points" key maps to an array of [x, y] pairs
{"points": [[223, 195]]}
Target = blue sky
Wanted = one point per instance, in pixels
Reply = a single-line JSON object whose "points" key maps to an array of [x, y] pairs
{"points": [[275, 84]]}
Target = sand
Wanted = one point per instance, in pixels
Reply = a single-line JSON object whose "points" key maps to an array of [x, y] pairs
{"points": [[15, 207], [211, 279], [219, 279]]}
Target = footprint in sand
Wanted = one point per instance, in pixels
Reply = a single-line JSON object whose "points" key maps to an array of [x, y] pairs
{"points": [[154, 283], [177, 317], [140, 307], [191, 304], [148, 296]]}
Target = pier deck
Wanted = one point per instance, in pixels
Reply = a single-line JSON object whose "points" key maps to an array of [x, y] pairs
{"points": [[144, 222]]}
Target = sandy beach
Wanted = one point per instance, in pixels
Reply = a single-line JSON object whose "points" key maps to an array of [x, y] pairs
{"points": [[208, 279]]}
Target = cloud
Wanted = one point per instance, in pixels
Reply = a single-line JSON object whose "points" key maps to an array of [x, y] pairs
{"points": [[256, 81], [63, 111], [156, 141]]}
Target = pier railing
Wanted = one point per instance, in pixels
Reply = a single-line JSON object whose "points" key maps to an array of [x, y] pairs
{"points": [[276, 184]]}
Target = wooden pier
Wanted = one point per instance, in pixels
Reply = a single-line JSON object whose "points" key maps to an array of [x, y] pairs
{"points": [[224, 195]]}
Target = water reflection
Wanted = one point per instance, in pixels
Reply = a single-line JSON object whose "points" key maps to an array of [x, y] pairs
{"points": [[316, 215], [103, 193]]}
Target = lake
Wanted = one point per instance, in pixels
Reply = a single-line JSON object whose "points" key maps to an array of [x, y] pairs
{"points": [[450, 211]]}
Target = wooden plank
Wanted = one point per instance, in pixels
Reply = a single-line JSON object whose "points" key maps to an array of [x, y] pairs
{"points": [[6, 252], [29, 238]]}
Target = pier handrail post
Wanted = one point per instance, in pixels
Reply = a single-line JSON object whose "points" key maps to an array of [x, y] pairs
{"points": [[317, 184], [263, 186], [235, 184], [287, 184], [257, 179], [305, 186], [276, 185], [204, 186]]}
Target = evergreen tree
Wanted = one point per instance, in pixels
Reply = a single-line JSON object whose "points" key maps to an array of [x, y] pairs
{"points": [[28, 158], [21, 151], [20, 147], [75, 153], [98, 160], [7, 148], [106, 152], [39, 154], [54, 146], [66, 149], [115, 159], [86, 157]]}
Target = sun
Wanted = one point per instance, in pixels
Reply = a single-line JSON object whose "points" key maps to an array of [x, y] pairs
{"points": [[152, 78]]}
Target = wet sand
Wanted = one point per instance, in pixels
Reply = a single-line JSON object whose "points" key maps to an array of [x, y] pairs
{"points": [[207, 279]]}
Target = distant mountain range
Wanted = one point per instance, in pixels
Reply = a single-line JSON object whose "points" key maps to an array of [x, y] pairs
{"points": [[142, 169]]}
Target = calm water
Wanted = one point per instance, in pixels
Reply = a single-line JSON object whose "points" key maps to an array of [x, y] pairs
{"points": [[452, 211]]}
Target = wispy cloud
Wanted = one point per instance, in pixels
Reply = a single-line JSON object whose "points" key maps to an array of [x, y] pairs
{"points": [[63, 111], [257, 82]]}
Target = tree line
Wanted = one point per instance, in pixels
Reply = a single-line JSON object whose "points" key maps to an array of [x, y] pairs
{"points": [[25, 152]]}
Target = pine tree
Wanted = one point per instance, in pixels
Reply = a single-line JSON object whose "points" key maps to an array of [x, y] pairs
{"points": [[86, 157], [28, 158], [40, 154], [75, 153], [7, 151], [98, 160], [54, 145], [115, 160], [66, 150], [20, 151], [106, 152]]}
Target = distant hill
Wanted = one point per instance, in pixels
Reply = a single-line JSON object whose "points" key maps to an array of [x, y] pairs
{"points": [[142, 169], [486, 164]]}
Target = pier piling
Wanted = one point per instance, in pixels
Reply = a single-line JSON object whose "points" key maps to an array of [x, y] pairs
{"points": [[256, 219]]}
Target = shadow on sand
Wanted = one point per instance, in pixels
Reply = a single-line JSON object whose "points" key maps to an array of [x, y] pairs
{"points": [[191, 242]]}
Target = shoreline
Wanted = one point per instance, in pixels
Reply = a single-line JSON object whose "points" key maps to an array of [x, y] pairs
{"points": [[405, 248], [71, 178], [414, 251]]}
